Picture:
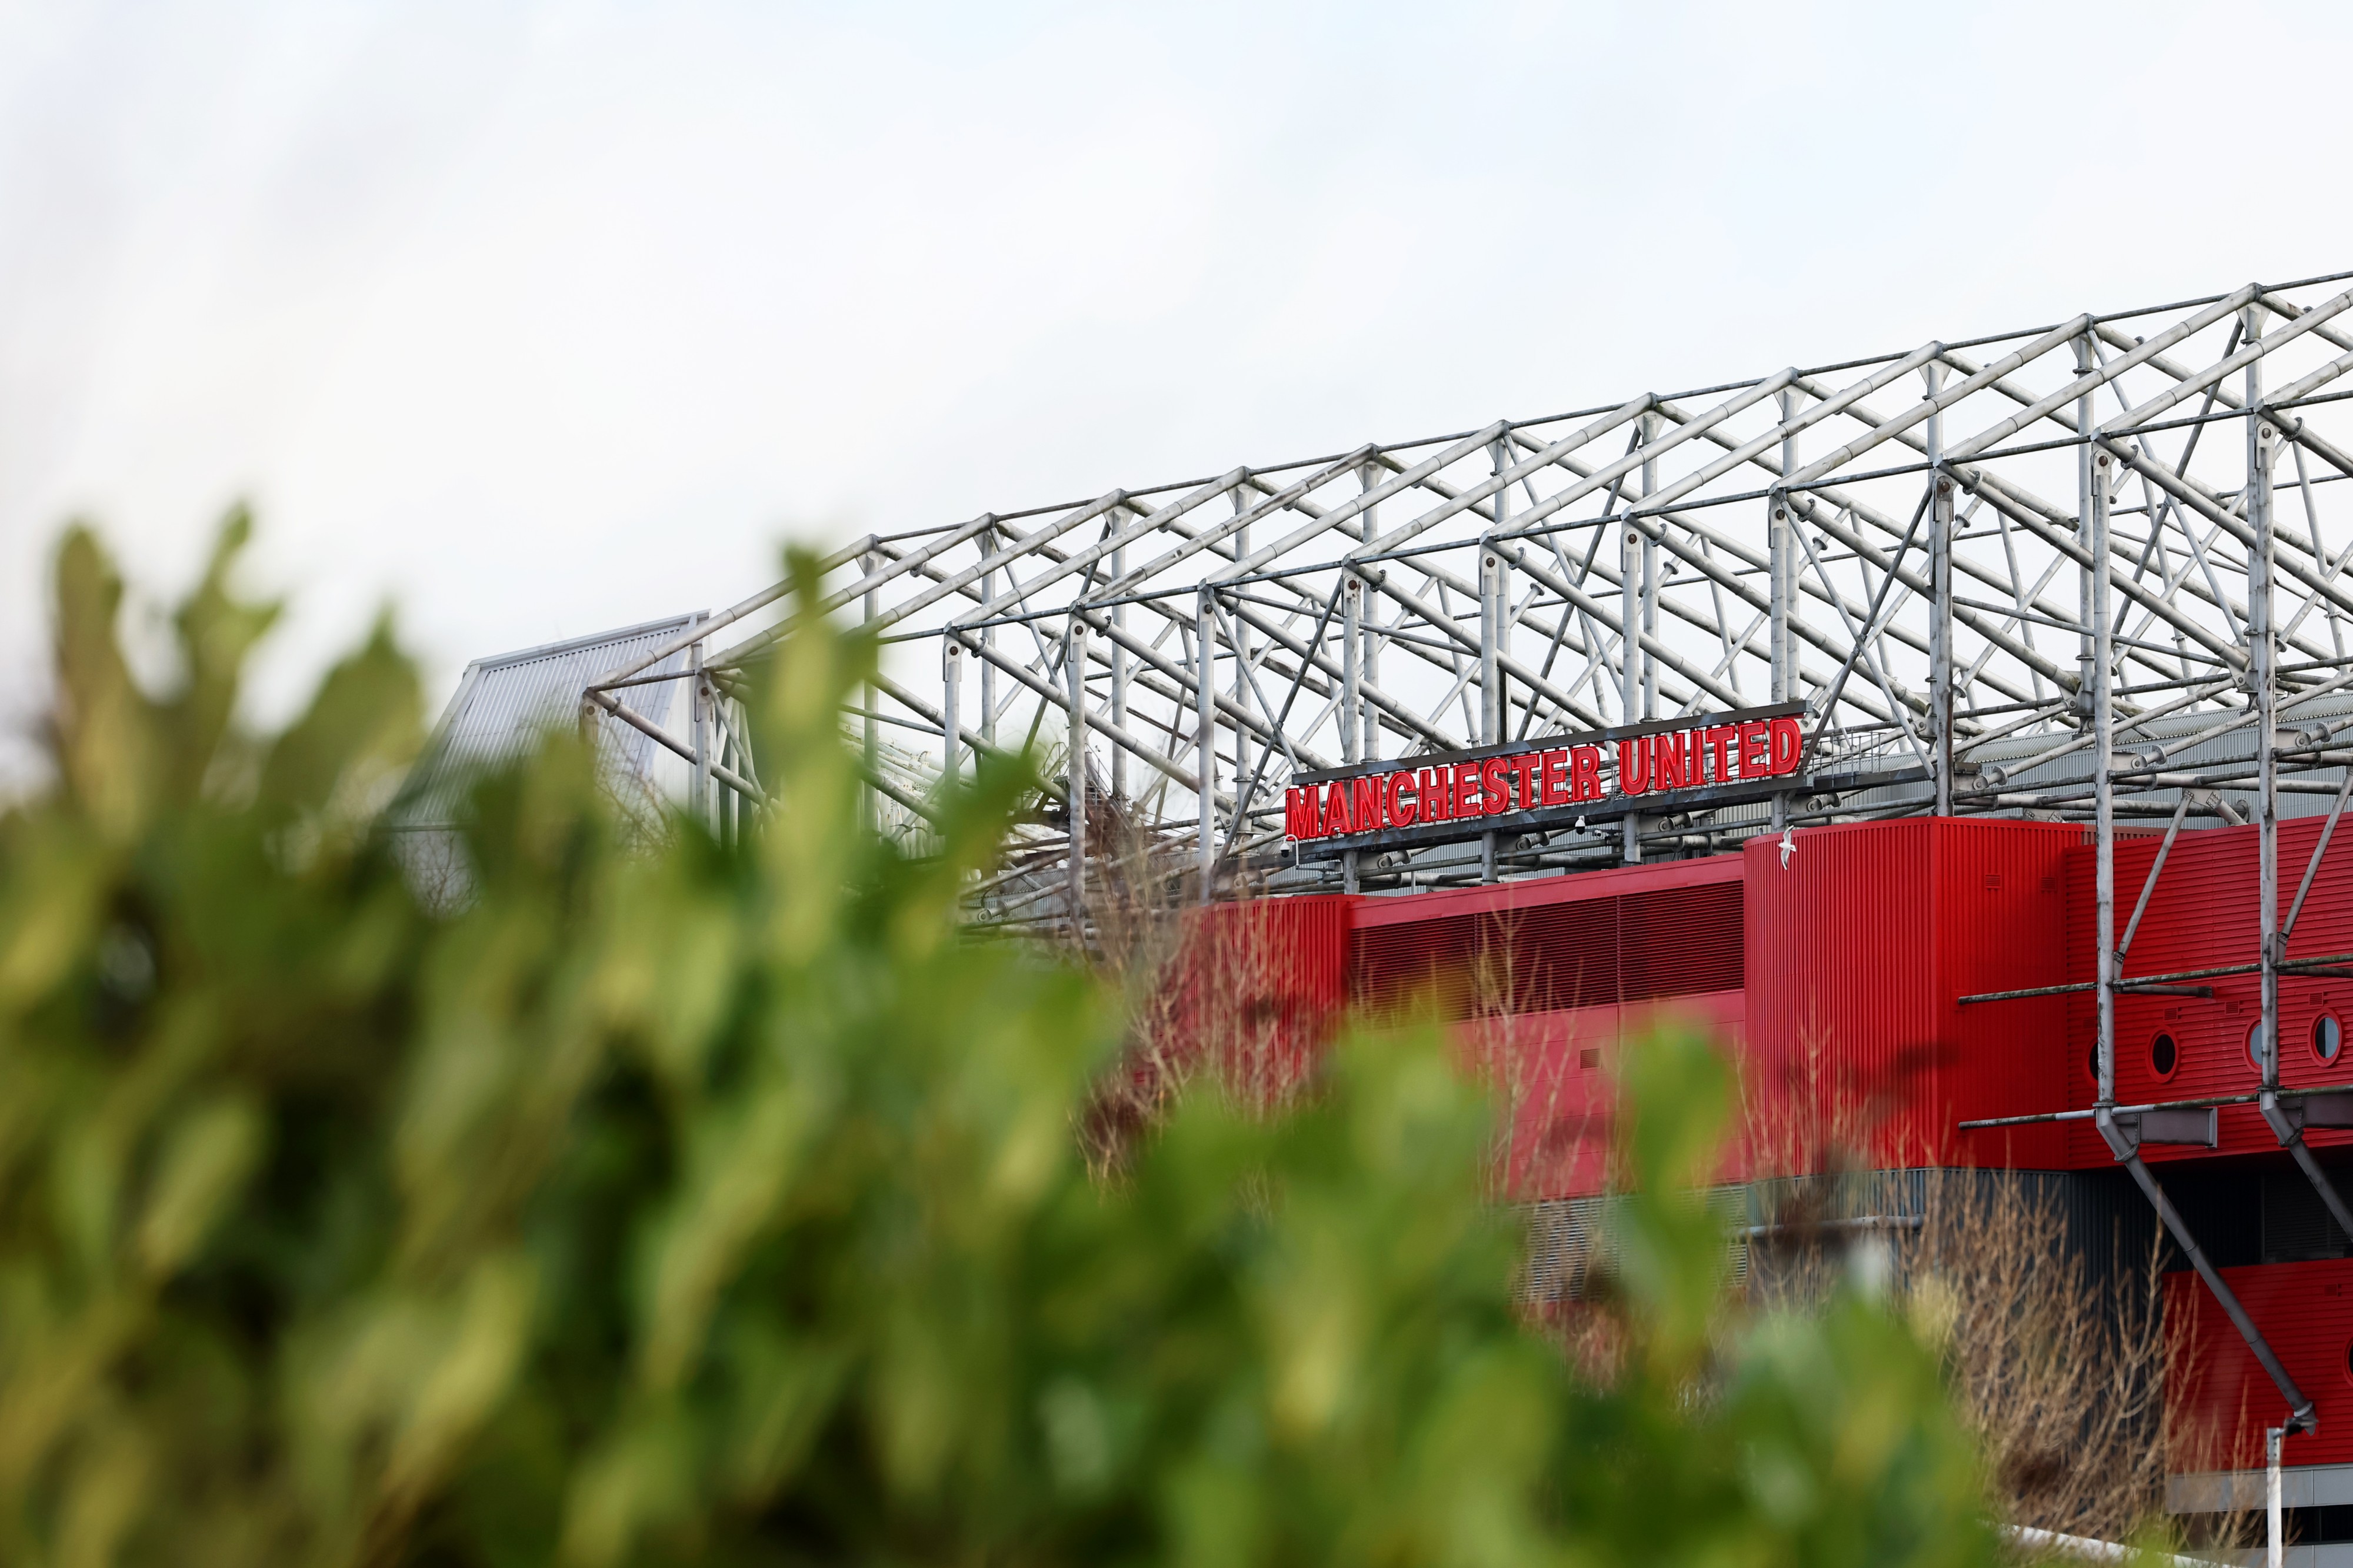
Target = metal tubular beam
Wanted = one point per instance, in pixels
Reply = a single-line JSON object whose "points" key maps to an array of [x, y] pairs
{"points": [[1940, 596], [2102, 718], [1594, 566], [1205, 730], [1074, 664]]}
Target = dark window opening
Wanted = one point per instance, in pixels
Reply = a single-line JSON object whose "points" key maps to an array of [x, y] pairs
{"points": [[1542, 958]]}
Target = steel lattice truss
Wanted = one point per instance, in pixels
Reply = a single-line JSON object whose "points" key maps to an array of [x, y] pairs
{"points": [[1905, 544]]}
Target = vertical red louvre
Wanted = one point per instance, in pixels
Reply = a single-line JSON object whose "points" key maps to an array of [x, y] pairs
{"points": [[1251, 993], [1860, 939], [1679, 941]]}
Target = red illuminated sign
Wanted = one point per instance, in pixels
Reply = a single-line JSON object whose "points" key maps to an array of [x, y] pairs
{"points": [[1538, 777]]}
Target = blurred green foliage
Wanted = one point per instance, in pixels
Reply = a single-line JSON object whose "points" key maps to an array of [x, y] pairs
{"points": [[702, 1205]]}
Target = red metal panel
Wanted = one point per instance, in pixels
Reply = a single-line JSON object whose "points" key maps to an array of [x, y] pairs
{"points": [[2305, 1313], [1547, 974], [1252, 992], [2203, 915], [2002, 926], [1556, 1073], [1857, 947]]}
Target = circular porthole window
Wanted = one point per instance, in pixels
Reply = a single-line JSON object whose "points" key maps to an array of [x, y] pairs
{"points": [[2327, 1038], [2091, 1063], [2349, 1363], [2255, 1043], [2164, 1055]]}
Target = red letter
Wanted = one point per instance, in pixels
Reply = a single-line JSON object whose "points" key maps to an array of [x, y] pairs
{"points": [[1400, 800], [1301, 817], [1635, 766], [1755, 750], [1670, 760], [1466, 789], [1556, 779], [1529, 767], [1495, 786], [1585, 772], [1789, 745], [1337, 817], [1437, 794], [1368, 804], [1718, 737]]}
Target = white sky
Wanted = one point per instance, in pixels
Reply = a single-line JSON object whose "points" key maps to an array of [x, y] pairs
{"points": [[535, 320]]}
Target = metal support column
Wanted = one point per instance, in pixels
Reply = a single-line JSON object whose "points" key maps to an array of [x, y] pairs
{"points": [[699, 793], [2104, 789], [869, 741], [2085, 424], [1075, 666], [1940, 593], [1118, 651], [1629, 658], [1494, 604], [2274, 1539], [1352, 609], [987, 647], [1785, 557], [951, 719], [1491, 572], [1368, 657], [1241, 650], [1205, 729], [1782, 558], [1650, 574], [1491, 594], [2262, 679]]}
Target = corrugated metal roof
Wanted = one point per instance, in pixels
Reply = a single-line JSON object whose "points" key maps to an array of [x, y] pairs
{"points": [[504, 703]]}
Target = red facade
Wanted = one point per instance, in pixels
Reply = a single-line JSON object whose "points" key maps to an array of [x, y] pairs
{"points": [[2305, 1311], [1250, 994], [1833, 966], [2202, 916], [1858, 949], [1545, 977]]}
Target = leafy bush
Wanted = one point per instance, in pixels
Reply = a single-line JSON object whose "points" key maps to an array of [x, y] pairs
{"points": [[700, 1205]]}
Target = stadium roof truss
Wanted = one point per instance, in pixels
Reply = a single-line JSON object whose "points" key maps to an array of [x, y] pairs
{"points": [[1902, 543]]}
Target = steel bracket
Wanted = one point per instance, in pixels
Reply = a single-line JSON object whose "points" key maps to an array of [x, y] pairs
{"points": [[2127, 1130], [2322, 1111]]}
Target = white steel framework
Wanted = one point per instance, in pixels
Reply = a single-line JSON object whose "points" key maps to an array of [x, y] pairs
{"points": [[2095, 569], [1904, 543]]}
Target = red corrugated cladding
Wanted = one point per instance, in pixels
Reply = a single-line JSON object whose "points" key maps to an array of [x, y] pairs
{"points": [[1834, 976], [2203, 915], [2305, 1311], [1857, 949], [1253, 991]]}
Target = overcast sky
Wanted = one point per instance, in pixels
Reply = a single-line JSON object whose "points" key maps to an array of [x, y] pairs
{"points": [[535, 320]]}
